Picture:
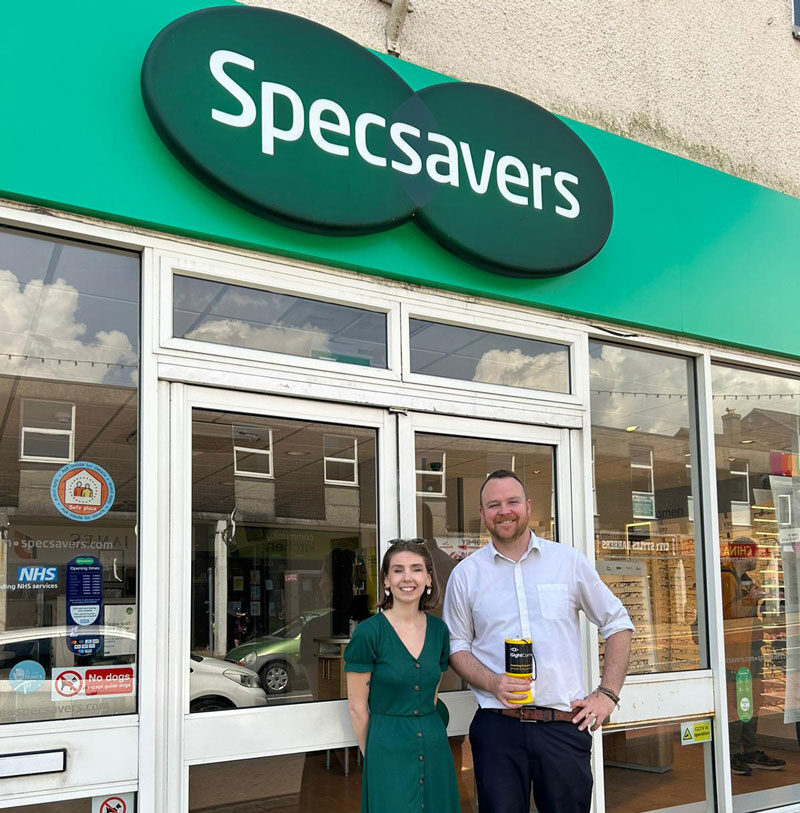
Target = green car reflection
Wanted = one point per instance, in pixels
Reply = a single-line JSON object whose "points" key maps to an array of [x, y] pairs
{"points": [[282, 658]]}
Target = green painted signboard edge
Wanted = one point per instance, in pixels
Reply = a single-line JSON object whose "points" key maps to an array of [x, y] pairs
{"points": [[693, 251]]}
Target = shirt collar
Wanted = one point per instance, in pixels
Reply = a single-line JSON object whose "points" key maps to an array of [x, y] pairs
{"points": [[534, 543]]}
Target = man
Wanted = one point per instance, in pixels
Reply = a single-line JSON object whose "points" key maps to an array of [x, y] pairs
{"points": [[519, 581]]}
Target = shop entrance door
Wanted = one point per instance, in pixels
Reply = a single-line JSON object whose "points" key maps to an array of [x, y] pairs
{"points": [[280, 510], [277, 508]]}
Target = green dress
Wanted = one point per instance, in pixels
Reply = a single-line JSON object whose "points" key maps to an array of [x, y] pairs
{"points": [[408, 766]]}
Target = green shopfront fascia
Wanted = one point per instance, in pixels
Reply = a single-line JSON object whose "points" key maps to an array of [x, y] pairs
{"points": [[292, 298]]}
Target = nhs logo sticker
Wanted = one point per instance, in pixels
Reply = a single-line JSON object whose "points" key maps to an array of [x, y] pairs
{"points": [[31, 574]]}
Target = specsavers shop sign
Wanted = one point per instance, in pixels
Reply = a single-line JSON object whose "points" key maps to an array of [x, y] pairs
{"points": [[301, 125]]}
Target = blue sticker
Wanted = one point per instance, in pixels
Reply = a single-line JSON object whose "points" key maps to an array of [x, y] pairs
{"points": [[26, 677], [82, 491], [29, 574]]}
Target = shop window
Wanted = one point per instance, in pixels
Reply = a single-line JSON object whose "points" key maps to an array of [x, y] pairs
{"points": [[252, 451], [341, 460], [468, 354], [756, 422], [643, 495], [47, 433], [431, 474], [257, 319], [646, 545], [69, 479]]}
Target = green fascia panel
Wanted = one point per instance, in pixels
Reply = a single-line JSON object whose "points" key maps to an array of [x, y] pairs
{"points": [[692, 251]]}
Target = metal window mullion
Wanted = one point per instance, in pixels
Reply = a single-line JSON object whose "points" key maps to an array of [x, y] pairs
{"points": [[713, 583]]}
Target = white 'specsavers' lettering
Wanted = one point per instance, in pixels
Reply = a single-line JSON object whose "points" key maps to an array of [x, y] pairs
{"points": [[330, 129]]}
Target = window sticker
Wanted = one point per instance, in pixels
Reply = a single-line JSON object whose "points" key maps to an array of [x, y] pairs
{"points": [[82, 491]]}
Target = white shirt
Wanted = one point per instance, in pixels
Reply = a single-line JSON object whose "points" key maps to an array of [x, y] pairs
{"points": [[481, 611]]}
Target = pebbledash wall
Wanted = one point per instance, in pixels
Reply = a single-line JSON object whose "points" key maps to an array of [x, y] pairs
{"points": [[693, 246]]}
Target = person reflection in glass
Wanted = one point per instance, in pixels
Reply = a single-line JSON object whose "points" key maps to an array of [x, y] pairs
{"points": [[741, 595]]}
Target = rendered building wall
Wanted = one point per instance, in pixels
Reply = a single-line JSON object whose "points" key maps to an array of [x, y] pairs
{"points": [[711, 81]]}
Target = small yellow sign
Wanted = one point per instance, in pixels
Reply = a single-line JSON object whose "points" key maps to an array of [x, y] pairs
{"points": [[695, 732]]}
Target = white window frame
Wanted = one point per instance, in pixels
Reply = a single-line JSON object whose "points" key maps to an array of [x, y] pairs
{"points": [[652, 492], [26, 430], [430, 473], [741, 505], [237, 472], [276, 278], [330, 481], [508, 321]]}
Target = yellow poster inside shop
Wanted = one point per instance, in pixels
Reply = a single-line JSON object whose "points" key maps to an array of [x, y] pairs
{"points": [[695, 732]]}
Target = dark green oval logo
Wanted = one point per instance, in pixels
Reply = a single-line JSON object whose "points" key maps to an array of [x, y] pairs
{"points": [[301, 125]]}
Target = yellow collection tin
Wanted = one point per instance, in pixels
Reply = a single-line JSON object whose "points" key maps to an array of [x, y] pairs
{"points": [[520, 663]]}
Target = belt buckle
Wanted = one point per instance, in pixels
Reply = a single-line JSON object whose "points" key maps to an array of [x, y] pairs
{"points": [[524, 719]]}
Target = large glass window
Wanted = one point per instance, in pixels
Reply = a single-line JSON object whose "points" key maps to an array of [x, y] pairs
{"points": [[69, 320], [283, 556], [756, 428], [468, 354], [643, 433], [216, 312]]}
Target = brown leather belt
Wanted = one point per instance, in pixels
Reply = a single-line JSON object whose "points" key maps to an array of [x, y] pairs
{"points": [[536, 714]]}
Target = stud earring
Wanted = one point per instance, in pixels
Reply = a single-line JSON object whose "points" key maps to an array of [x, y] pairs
{"points": [[428, 589]]}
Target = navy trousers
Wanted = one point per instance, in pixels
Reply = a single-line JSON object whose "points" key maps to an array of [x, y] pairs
{"points": [[509, 755]]}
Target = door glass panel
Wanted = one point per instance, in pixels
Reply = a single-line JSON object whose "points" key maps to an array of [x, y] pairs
{"points": [[756, 425], [649, 769], [69, 321], [319, 781], [284, 519], [450, 471], [643, 442]]}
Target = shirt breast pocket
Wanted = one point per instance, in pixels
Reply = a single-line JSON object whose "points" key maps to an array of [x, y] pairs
{"points": [[553, 600]]}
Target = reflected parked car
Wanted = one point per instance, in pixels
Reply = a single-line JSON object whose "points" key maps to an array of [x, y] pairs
{"points": [[214, 684], [277, 657]]}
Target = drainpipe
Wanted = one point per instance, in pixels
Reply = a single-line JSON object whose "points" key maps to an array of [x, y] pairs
{"points": [[394, 25]]}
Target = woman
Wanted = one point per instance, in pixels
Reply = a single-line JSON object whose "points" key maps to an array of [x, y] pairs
{"points": [[394, 664]]}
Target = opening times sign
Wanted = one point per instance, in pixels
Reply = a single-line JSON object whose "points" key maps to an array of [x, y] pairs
{"points": [[84, 604]]}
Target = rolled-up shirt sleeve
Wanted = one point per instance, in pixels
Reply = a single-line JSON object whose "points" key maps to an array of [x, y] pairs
{"points": [[601, 606], [457, 614]]}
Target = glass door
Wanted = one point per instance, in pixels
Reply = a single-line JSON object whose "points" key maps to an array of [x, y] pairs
{"points": [[443, 463], [279, 506]]}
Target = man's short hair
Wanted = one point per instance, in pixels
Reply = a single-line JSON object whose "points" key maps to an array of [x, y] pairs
{"points": [[501, 474]]}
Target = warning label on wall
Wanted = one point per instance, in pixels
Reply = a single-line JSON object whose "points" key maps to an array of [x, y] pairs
{"points": [[695, 732], [113, 803], [82, 682]]}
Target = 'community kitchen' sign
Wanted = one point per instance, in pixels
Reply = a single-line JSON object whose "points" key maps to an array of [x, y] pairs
{"points": [[301, 125]]}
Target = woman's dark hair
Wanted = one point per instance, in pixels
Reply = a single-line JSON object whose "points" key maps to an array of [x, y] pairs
{"points": [[415, 546]]}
